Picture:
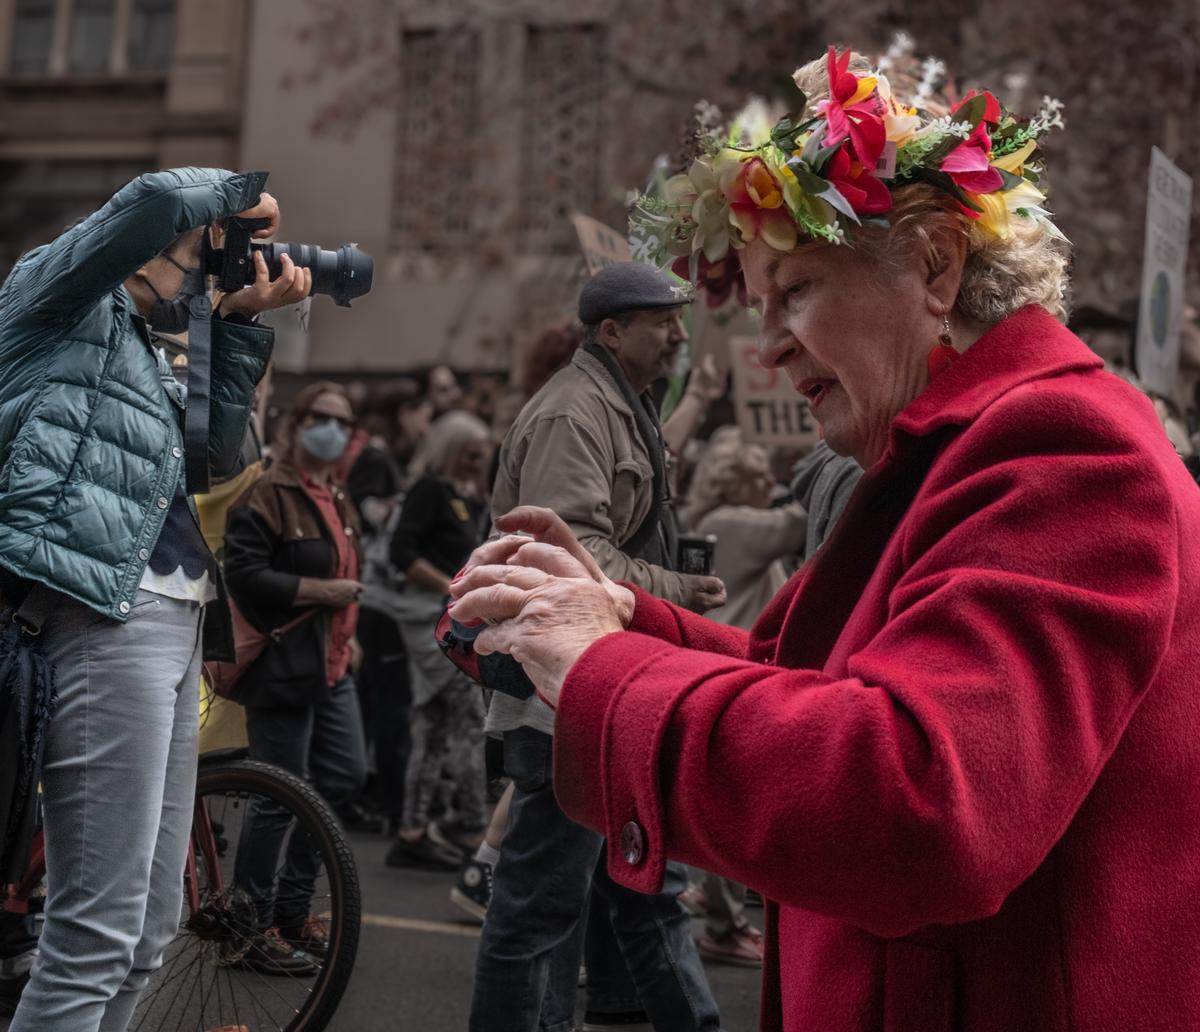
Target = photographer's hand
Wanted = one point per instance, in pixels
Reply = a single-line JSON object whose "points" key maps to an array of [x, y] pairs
{"points": [[266, 208], [294, 284]]}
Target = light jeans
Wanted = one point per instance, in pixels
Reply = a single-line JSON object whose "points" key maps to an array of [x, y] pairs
{"points": [[118, 783]]}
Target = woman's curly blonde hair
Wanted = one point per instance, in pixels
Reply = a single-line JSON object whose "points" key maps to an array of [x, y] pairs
{"points": [[999, 275], [721, 473]]}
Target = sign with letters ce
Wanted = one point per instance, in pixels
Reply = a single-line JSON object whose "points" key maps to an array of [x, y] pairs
{"points": [[769, 411]]}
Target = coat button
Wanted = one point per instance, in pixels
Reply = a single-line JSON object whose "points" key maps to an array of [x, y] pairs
{"points": [[163, 503], [633, 843], [143, 554], [177, 452], [124, 607]]}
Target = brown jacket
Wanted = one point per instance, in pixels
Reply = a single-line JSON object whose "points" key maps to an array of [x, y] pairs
{"points": [[575, 449]]}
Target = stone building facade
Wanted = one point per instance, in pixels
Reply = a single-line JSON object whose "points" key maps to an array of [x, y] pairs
{"points": [[94, 92]]}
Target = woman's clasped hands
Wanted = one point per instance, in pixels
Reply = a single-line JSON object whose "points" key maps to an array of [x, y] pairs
{"points": [[542, 595]]}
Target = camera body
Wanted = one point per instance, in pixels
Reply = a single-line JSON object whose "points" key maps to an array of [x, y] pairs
{"points": [[344, 274]]}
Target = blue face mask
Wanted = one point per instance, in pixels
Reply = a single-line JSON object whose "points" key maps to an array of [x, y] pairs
{"points": [[325, 441]]}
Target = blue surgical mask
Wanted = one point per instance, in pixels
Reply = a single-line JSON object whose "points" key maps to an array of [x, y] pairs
{"points": [[325, 441]]}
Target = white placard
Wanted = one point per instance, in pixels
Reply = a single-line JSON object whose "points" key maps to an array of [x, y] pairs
{"points": [[601, 244], [1168, 218], [769, 411]]}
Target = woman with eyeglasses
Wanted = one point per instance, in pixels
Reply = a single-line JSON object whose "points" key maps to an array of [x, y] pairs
{"points": [[292, 548]]}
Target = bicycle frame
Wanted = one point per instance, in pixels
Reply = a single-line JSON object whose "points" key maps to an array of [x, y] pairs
{"points": [[202, 839]]}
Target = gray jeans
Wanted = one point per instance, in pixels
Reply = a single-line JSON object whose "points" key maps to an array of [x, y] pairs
{"points": [[118, 788]]}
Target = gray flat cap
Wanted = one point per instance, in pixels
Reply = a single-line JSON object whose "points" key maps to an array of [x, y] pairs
{"points": [[629, 287]]}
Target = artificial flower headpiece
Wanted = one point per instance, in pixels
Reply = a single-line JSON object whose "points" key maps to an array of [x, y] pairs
{"points": [[835, 164]]}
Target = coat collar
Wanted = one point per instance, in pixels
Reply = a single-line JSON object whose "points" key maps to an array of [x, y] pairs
{"points": [[593, 368], [1029, 345]]}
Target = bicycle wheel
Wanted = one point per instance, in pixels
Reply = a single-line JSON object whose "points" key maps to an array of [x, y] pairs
{"points": [[204, 982]]}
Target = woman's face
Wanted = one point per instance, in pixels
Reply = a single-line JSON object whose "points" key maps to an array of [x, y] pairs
{"points": [[471, 464], [758, 482], [853, 336], [325, 409]]}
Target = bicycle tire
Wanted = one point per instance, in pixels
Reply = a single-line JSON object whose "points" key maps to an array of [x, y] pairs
{"points": [[243, 779]]}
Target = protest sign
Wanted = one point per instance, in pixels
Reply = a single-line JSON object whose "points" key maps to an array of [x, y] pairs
{"points": [[601, 244], [769, 411], [1160, 318]]}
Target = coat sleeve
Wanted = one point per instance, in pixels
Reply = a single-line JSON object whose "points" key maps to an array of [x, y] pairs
{"points": [[930, 780], [241, 351], [58, 283], [250, 546], [568, 469]]}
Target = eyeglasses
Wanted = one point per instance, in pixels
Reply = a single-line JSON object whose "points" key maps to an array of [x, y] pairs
{"points": [[312, 416]]}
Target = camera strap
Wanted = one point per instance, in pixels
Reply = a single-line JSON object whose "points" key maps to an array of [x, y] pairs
{"points": [[199, 394]]}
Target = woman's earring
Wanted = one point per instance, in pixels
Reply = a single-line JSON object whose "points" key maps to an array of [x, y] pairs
{"points": [[943, 352]]}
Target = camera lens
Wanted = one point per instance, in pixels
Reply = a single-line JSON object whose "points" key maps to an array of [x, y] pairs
{"points": [[344, 274]]}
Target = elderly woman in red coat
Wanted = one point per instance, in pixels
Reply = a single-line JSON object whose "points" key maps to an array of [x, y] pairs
{"points": [[960, 751]]}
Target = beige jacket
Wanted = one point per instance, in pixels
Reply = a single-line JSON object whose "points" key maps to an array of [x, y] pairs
{"points": [[575, 449]]}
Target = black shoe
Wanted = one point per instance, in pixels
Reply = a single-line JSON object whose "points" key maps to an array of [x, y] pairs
{"points": [[267, 954], [627, 1021], [422, 853], [753, 899], [355, 818], [473, 892], [310, 936], [10, 994]]}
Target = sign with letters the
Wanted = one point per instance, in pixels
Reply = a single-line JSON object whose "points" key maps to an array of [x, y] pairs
{"points": [[769, 410], [1160, 318]]}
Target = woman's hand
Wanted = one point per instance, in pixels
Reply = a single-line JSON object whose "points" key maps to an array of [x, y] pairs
{"points": [[294, 284], [539, 538], [337, 593], [544, 613]]}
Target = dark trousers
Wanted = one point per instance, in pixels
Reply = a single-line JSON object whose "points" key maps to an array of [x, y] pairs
{"points": [[385, 695], [323, 744], [529, 952]]}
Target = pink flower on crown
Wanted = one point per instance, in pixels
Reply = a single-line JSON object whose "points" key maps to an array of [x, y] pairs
{"points": [[853, 111], [969, 164]]}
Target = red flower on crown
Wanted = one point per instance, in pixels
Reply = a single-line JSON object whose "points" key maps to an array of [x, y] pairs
{"points": [[853, 111]]}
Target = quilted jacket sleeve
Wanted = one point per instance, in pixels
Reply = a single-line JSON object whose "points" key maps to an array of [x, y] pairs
{"points": [[57, 283], [933, 771], [241, 351]]}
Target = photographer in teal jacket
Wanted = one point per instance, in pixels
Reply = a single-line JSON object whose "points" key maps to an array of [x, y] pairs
{"points": [[93, 508]]}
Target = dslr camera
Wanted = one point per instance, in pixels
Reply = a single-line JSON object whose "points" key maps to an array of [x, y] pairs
{"points": [[344, 274]]}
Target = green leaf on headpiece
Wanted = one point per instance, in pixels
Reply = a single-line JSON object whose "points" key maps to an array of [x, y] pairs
{"points": [[943, 182], [833, 196], [972, 111], [809, 183], [1010, 180]]}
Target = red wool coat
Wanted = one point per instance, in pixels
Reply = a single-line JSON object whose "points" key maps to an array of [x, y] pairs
{"points": [[960, 750]]}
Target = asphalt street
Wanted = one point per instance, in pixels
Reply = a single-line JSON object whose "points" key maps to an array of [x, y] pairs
{"points": [[416, 957]]}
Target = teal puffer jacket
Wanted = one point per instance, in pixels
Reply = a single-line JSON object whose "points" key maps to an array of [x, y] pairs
{"points": [[90, 441]]}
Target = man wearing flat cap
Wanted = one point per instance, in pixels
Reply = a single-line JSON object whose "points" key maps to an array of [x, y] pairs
{"points": [[589, 446]]}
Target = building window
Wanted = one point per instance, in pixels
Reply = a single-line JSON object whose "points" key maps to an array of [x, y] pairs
{"points": [[151, 35], [439, 78], [91, 37], [32, 37], [563, 140]]}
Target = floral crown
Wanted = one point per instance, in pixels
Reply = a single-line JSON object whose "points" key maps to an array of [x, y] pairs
{"points": [[834, 164]]}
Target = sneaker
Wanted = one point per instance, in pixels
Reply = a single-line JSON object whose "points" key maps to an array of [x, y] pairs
{"points": [[354, 818], [454, 839], [422, 853], [693, 900], [628, 1021], [473, 892], [267, 954], [742, 949], [311, 936]]}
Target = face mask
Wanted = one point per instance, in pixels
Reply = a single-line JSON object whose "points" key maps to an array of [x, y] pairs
{"points": [[325, 441], [170, 315]]}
